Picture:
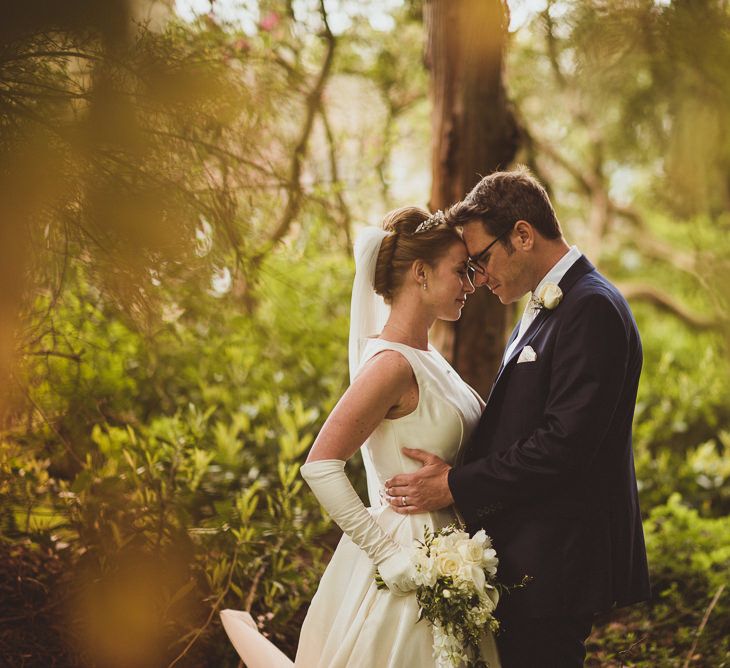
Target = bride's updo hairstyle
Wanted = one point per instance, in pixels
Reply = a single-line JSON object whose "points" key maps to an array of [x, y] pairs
{"points": [[415, 234]]}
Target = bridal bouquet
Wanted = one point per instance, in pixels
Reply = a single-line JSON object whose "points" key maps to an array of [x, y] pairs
{"points": [[454, 575]]}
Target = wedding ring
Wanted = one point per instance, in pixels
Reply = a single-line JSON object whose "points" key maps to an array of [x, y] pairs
{"points": [[403, 501]]}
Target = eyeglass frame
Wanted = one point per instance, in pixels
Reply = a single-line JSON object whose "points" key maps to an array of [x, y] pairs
{"points": [[472, 263]]}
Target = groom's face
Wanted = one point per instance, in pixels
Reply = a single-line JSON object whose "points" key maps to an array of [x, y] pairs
{"points": [[505, 271]]}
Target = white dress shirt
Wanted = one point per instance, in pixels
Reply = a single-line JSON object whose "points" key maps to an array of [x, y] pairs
{"points": [[555, 275]]}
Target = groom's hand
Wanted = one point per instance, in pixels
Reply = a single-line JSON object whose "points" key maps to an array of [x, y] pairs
{"points": [[426, 489]]}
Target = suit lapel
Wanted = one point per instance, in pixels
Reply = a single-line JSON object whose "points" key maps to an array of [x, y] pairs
{"points": [[512, 337], [579, 268]]}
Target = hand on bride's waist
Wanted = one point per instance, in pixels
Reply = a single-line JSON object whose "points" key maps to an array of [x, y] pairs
{"points": [[427, 489]]}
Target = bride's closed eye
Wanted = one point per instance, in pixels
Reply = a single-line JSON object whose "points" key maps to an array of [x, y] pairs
{"points": [[465, 272]]}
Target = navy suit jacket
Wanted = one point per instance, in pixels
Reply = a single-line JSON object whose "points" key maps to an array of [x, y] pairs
{"points": [[549, 471]]}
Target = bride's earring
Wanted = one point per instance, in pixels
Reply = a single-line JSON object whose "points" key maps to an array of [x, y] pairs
{"points": [[425, 285]]}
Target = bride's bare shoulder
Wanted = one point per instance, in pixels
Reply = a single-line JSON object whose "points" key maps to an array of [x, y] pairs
{"points": [[387, 366]]}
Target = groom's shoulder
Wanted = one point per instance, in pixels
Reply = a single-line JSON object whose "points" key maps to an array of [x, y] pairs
{"points": [[594, 285], [594, 292]]}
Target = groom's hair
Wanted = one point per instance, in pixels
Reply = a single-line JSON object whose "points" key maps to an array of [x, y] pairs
{"points": [[501, 199]]}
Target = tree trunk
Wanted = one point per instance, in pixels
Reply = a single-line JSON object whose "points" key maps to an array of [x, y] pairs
{"points": [[474, 134]]}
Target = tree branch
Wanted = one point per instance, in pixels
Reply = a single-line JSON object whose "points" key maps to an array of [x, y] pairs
{"points": [[294, 185], [647, 243], [658, 249], [194, 639], [346, 216], [51, 426], [703, 623], [55, 353], [668, 304], [213, 148]]}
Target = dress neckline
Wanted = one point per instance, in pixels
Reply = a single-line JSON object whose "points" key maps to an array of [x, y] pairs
{"points": [[430, 348]]}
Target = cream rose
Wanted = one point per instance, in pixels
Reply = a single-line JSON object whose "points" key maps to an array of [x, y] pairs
{"points": [[447, 564], [550, 295], [471, 552], [446, 543]]}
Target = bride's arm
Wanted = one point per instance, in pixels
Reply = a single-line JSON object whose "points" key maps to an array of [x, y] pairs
{"points": [[376, 391], [380, 387]]}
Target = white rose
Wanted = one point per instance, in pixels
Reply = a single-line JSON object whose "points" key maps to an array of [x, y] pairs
{"points": [[481, 538], [490, 561], [460, 535], [425, 571], [447, 564], [471, 552], [550, 295], [445, 543]]}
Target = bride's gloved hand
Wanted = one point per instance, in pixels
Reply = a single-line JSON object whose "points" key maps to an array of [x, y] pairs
{"points": [[397, 572], [333, 490]]}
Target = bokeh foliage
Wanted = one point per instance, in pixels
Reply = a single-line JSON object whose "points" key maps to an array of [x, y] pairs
{"points": [[178, 206]]}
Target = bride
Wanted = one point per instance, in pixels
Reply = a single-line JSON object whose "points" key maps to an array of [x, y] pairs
{"points": [[402, 392]]}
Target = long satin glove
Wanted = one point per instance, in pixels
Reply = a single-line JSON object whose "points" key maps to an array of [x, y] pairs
{"points": [[333, 490]]}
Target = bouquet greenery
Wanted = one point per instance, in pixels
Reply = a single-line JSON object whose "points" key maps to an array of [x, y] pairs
{"points": [[456, 592]]}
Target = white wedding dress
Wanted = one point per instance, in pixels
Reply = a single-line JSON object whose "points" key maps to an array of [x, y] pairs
{"points": [[351, 623]]}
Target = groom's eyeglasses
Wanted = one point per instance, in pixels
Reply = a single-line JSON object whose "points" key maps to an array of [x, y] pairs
{"points": [[473, 264]]}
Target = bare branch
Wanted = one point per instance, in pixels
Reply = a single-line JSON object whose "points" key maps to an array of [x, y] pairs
{"points": [[213, 610], [345, 214], [213, 148], [703, 623], [668, 304], [661, 250], [647, 243], [50, 424], [53, 54], [552, 47], [586, 182], [55, 353], [313, 101]]}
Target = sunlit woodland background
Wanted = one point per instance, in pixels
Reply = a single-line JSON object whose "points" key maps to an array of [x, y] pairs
{"points": [[180, 185]]}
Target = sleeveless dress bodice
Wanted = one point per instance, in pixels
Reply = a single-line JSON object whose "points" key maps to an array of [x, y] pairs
{"points": [[351, 623], [448, 411]]}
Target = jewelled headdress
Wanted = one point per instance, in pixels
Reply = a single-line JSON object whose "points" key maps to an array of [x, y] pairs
{"points": [[434, 220]]}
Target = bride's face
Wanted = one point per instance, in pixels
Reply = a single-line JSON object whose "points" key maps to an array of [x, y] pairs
{"points": [[448, 283]]}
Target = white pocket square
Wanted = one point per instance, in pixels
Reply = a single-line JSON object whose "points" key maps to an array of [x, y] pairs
{"points": [[527, 355]]}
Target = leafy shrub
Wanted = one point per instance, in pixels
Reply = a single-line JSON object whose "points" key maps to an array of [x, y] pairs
{"points": [[159, 470], [689, 560], [681, 426]]}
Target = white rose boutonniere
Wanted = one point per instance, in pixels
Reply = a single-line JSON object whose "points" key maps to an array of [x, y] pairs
{"points": [[548, 296]]}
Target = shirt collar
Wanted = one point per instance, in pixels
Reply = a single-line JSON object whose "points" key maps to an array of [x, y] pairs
{"points": [[560, 268]]}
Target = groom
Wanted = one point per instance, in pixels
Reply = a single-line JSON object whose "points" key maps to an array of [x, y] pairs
{"points": [[549, 471]]}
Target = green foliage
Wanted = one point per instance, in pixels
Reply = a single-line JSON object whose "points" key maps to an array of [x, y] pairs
{"points": [[681, 427], [688, 551], [149, 468], [689, 557], [170, 477]]}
